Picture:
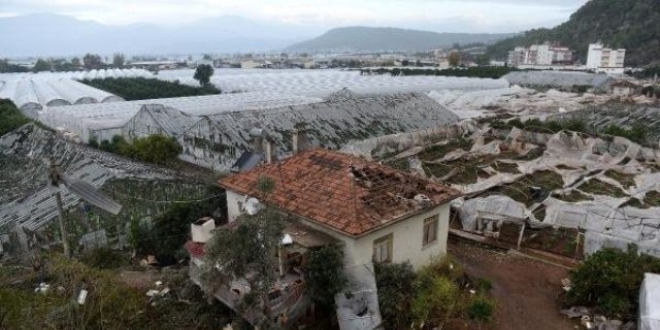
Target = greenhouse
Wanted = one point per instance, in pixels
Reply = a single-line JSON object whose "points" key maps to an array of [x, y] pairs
{"points": [[321, 83], [34, 92]]}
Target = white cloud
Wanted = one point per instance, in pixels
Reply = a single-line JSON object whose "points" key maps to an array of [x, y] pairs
{"points": [[476, 15]]}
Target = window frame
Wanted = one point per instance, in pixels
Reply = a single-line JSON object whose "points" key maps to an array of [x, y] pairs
{"points": [[387, 240], [431, 221]]}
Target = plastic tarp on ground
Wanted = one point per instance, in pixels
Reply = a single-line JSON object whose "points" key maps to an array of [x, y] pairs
{"points": [[649, 303], [579, 161], [357, 305]]}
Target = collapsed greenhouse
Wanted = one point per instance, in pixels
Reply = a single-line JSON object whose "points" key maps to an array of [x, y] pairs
{"points": [[594, 192], [27, 199], [214, 130]]}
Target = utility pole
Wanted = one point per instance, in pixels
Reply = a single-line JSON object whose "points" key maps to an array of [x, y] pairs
{"points": [[55, 177]]}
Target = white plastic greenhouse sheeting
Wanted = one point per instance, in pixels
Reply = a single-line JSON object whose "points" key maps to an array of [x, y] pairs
{"points": [[649, 303], [321, 83], [558, 79], [577, 160], [81, 119], [470, 104]]}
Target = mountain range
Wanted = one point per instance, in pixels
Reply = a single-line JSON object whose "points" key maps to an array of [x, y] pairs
{"points": [[372, 39], [59, 35], [630, 24]]}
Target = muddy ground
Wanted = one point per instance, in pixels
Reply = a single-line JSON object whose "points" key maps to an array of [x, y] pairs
{"points": [[526, 290]]}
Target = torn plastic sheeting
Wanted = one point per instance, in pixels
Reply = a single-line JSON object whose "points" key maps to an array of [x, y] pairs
{"points": [[496, 180], [649, 303], [496, 207], [405, 141], [357, 305]]}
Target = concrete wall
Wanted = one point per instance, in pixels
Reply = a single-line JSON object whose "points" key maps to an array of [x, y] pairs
{"points": [[233, 209], [406, 237]]}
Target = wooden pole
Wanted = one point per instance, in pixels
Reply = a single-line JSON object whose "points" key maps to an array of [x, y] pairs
{"points": [[60, 209], [520, 237]]}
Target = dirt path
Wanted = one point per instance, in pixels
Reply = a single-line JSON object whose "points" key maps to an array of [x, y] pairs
{"points": [[526, 290]]}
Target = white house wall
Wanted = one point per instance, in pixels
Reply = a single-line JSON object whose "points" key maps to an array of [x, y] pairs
{"points": [[407, 240], [407, 237]]}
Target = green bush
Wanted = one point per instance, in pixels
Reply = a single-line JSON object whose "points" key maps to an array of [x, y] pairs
{"points": [[11, 117], [105, 258], [428, 298], [396, 287], [481, 310], [610, 280], [435, 299], [325, 277], [156, 148]]}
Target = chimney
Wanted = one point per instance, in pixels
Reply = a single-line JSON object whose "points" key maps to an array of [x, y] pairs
{"points": [[257, 135], [268, 153], [299, 140]]}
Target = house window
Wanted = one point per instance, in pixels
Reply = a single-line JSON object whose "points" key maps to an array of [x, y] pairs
{"points": [[383, 249], [240, 207], [430, 230]]}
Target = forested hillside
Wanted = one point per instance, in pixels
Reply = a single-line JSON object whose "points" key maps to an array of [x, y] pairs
{"points": [[630, 24], [148, 88]]}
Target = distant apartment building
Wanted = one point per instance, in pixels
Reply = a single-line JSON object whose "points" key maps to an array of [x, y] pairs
{"points": [[543, 55], [608, 60]]}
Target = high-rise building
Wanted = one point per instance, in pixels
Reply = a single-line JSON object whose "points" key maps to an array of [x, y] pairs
{"points": [[543, 55], [603, 59]]}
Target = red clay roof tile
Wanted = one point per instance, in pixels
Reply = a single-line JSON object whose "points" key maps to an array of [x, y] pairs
{"points": [[343, 192]]}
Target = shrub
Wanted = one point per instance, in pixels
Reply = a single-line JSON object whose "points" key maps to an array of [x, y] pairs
{"points": [[435, 299], [396, 289], [325, 276], [155, 148], [610, 280], [105, 258], [481, 310], [11, 117]]}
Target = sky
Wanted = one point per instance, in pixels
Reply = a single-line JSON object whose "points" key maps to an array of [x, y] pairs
{"points": [[434, 15]]}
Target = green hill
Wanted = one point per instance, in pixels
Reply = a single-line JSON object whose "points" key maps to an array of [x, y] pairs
{"points": [[630, 24]]}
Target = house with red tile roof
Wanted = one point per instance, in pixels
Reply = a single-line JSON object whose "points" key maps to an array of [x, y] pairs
{"points": [[378, 213], [372, 212]]}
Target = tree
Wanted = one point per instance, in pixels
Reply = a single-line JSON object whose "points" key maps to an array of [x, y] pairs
{"points": [[75, 62], [156, 148], [92, 61], [454, 59], [207, 57], [610, 280], [118, 60], [245, 252], [203, 74], [42, 65], [325, 277], [483, 60]]}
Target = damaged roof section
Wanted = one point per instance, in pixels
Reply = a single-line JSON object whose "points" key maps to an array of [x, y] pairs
{"points": [[345, 193]]}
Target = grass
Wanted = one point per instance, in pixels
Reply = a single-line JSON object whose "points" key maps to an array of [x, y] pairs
{"points": [[573, 197], [439, 151], [519, 190], [652, 199], [469, 170], [598, 187], [626, 180]]}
